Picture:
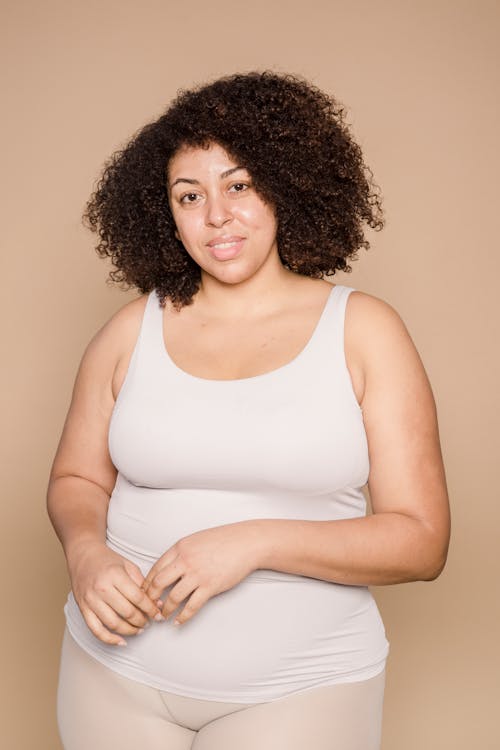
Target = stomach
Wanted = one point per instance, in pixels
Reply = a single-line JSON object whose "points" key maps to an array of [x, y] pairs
{"points": [[271, 635]]}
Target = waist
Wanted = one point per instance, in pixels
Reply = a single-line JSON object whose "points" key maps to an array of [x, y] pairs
{"points": [[144, 522], [259, 641]]}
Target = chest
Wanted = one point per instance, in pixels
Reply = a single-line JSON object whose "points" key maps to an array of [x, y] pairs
{"points": [[240, 349], [291, 432]]}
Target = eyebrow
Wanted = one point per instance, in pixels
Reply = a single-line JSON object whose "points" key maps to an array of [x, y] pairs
{"points": [[223, 175]]}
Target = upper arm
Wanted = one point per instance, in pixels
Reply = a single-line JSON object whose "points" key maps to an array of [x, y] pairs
{"points": [[399, 412], [83, 447]]}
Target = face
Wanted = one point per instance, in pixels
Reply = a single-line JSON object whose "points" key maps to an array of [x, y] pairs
{"points": [[224, 225]]}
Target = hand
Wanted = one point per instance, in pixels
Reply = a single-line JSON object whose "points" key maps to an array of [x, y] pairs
{"points": [[204, 564], [107, 589]]}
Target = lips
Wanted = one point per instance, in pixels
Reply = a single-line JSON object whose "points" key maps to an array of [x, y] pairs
{"points": [[225, 248], [224, 241]]}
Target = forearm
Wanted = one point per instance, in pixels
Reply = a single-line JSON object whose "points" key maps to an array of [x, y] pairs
{"points": [[77, 509], [384, 548]]}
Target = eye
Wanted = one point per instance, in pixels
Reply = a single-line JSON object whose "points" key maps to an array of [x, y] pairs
{"points": [[239, 187], [189, 198]]}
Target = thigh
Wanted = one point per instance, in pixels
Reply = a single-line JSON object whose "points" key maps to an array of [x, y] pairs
{"points": [[335, 717], [99, 709]]}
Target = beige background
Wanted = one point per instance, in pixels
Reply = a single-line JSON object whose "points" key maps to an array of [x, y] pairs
{"points": [[420, 80]]}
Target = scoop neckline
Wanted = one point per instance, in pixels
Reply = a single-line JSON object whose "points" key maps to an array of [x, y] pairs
{"points": [[253, 378]]}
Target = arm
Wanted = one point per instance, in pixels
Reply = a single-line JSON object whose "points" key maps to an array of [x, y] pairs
{"points": [[106, 586], [406, 538]]}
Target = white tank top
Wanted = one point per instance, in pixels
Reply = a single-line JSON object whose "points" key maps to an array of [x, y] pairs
{"points": [[194, 453]]}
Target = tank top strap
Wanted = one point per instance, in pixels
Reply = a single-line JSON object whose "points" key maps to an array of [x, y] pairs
{"points": [[325, 365], [146, 354], [152, 330], [327, 339], [336, 317]]}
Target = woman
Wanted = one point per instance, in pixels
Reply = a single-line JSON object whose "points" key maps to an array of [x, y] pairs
{"points": [[207, 488]]}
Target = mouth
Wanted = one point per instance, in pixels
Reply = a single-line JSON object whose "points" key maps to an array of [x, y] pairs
{"points": [[224, 241], [225, 248]]}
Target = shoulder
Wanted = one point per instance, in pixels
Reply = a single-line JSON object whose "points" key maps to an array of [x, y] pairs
{"points": [[122, 328], [377, 340], [110, 349], [371, 322]]}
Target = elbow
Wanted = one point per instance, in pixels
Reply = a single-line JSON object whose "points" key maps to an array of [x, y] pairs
{"points": [[432, 545], [435, 561], [434, 570]]}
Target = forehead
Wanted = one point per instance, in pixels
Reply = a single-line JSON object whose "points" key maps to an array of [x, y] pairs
{"points": [[213, 158]]}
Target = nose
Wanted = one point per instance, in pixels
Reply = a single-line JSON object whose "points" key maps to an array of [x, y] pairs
{"points": [[218, 211]]}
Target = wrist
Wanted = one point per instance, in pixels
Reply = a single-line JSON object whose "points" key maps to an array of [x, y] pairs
{"points": [[79, 547], [259, 543]]}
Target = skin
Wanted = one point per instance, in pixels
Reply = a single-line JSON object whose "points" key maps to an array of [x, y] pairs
{"points": [[262, 311]]}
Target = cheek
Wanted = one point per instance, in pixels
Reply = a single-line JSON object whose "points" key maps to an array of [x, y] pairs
{"points": [[259, 217], [187, 226]]}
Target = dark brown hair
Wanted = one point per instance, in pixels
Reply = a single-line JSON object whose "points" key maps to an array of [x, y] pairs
{"points": [[291, 137]]}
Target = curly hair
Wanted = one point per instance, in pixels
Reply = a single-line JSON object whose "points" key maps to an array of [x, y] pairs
{"points": [[293, 140]]}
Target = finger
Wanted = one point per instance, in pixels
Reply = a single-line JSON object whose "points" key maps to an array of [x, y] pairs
{"points": [[193, 605], [132, 591], [111, 619], [110, 592], [177, 594], [100, 632], [137, 596], [166, 559], [164, 578], [127, 610], [134, 572]]}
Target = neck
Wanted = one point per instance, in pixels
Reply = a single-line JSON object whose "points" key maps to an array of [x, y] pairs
{"points": [[261, 294]]}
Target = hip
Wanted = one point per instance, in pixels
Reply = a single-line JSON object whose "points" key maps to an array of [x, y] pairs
{"points": [[269, 636]]}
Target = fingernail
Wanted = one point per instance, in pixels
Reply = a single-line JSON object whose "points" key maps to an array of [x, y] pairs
{"points": [[159, 617], [177, 622], [121, 643], [140, 631]]}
